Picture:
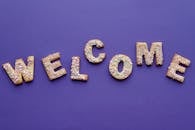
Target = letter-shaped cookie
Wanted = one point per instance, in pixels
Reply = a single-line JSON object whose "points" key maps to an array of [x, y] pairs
{"points": [[21, 71], [142, 51], [127, 67], [176, 67], [51, 65], [89, 54], [75, 70]]}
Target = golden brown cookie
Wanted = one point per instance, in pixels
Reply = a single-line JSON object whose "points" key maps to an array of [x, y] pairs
{"points": [[127, 67], [89, 51], [51, 63], [75, 70], [21, 71], [176, 67], [142, 51]]}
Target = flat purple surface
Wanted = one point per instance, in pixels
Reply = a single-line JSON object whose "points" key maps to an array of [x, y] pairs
{"points": [[147, 100]]}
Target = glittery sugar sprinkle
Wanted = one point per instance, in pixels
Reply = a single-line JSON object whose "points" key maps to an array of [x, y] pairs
{"points": [[75, 70], [142, 50], [127, 67], [89, 54], [21, 71], [176, 67], [50, 66]]}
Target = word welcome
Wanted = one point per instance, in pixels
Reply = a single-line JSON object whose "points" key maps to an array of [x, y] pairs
{"points": [[23, 72]]}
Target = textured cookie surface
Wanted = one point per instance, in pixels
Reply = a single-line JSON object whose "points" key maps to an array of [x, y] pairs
{"points": [[21, 71], [51, 64], [176, 67], [127, 67], [155, 50], [75, 70], [89, 51]]}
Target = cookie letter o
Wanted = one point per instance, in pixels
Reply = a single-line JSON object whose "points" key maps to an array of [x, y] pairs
{"points": [[127, 67]]}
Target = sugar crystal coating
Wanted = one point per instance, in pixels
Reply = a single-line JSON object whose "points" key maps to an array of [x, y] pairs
{"points": [[51, 65], [176, 67], [89, 54], [142, 51], [21, 71], [75, 70], [127, 67]]}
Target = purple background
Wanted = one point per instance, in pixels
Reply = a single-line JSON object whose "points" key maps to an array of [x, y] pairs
{"points": [[146, 100]]}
